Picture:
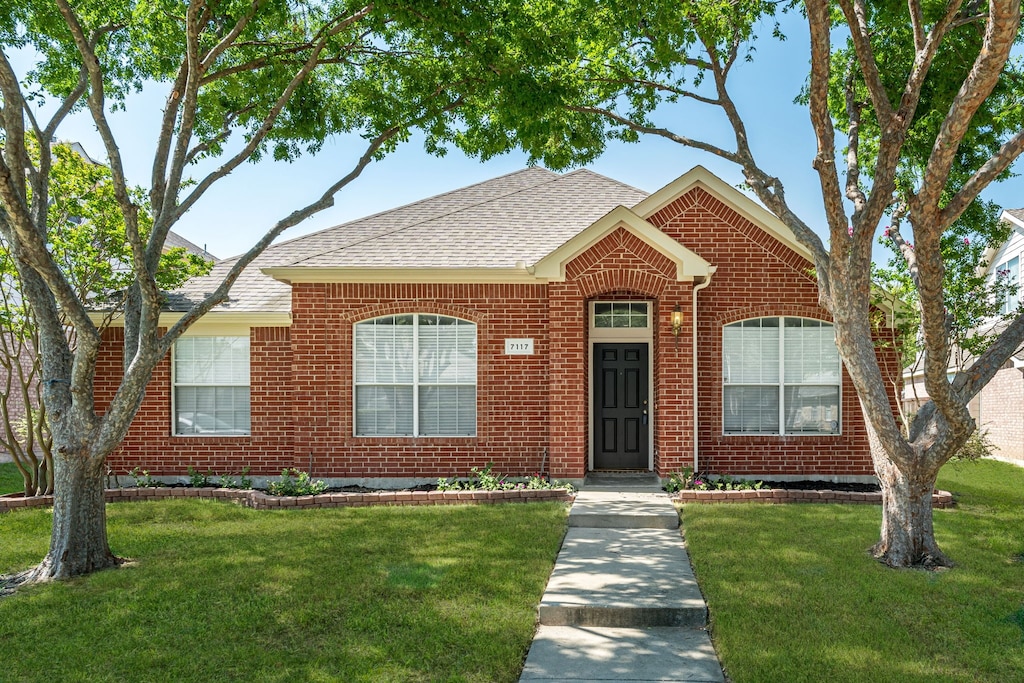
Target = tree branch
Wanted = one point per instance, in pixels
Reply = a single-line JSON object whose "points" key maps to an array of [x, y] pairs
{"points": [[989, 171], [856, 18], [1000, 33]]}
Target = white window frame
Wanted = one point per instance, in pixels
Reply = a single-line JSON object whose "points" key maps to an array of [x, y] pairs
{"points": [[416, 383], [175, 384], [782, 384], [1004, 306]]}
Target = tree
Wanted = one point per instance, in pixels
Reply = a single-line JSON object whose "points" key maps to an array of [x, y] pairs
{"points": [[245, 80], [87, 238], [927, 98]]}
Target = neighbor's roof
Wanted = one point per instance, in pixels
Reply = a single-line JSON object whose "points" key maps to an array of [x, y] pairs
{"points": [[1016, 213], [498, 224], [176, 240]]}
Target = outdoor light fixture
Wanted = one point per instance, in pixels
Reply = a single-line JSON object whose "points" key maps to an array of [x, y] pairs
{"points": [[677, 321]]}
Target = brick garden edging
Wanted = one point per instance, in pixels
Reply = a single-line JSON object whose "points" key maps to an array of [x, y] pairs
{"points": [[261, 501], [940, 499]]}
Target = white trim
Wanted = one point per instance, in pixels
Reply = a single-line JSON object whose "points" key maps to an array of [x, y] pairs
{"points": [[1016, 223], [208, 325], [731, 197], [622, 335], [688, 264], [782, 384]]}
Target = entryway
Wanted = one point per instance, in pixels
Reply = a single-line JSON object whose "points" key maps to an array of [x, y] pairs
{"points": [[622, 410]]}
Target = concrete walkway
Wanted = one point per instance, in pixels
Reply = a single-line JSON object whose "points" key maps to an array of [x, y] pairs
{"points": [[622, 603]]}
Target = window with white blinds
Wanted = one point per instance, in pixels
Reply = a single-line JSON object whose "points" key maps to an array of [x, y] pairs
{"points": [[415, 375], [780, 376], [211, 386]]}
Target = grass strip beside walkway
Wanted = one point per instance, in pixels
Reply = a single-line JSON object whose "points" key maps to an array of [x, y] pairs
{"points": [[794, 594], [220, 592]]}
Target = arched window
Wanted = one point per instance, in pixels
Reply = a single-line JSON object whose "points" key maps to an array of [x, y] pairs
{"points": [[415, 375], [780, 376]]}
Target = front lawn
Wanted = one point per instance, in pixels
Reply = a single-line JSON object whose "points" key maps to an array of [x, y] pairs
{"points": [[795, 596], [10, 478], [219, 592]]}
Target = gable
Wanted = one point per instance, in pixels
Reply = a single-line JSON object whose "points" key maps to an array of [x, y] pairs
{"points": [[688, 265], [669, 201]]}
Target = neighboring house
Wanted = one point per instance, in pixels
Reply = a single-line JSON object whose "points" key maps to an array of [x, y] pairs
{"points": [[537, 321], [999, 407], [15, 405]]}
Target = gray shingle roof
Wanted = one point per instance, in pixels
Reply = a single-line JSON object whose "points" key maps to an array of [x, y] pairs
{"points": [[1016, 213], [522, 216], [176, 240]]}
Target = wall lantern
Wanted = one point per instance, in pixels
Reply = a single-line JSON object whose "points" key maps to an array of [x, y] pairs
{"points": [[677, 321]]}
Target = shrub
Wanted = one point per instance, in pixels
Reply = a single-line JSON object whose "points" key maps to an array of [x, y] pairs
{"points": [[198, 480], [977, 446], [142, 479], [295, 483], [486, 479]]}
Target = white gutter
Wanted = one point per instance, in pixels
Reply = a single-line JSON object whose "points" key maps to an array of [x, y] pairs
{"points": [[696, 447]]}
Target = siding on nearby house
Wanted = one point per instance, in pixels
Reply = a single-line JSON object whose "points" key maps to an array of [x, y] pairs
{"points": [[1002, 413], [15, 399]]}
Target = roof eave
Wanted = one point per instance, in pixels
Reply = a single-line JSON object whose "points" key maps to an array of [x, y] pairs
{"points": [[306, 274], [213, 318]]}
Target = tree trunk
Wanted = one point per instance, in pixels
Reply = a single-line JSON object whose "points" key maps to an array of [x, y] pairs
{"points": [[908, 537], [78, 544]]}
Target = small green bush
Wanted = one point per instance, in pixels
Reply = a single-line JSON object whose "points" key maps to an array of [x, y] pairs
{"points": [[977, 446], [198, 480], [142, 479], [485, 479], [294, 482]]}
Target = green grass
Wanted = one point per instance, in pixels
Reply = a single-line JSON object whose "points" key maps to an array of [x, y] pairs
{"points": [[794, 594], [10, 478], [220, 592]]}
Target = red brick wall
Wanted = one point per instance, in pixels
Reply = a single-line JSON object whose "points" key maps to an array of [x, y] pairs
{"points": [[512, 391], [1002, 413], [149, 443], [757, 276], [302, 376]]}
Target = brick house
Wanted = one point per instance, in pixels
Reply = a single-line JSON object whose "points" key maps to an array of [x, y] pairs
{"points": [[542, 322], [999, 406]]}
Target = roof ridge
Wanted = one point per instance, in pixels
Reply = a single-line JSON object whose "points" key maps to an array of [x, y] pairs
{"points": [[608, 178], [361, 219], [555, 177]]}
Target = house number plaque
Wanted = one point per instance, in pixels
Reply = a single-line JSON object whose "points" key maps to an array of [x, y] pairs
{"points": [[518, 347]]}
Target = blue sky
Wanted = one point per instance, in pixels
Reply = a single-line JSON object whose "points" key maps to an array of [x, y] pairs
{"points": [[242, 206]]}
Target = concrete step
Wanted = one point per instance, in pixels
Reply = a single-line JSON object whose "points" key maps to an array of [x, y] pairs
{"points": [[647, 482], [630, 578], [568, 653], [599, 509]]}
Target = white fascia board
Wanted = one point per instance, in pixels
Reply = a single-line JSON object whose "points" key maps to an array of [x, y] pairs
{"points": [[293, 274], [688, 264], [213, 319], [1014, 222], [731, 197]]}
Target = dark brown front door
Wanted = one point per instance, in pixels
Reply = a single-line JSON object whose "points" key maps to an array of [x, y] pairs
{"points": [[621, 407]]}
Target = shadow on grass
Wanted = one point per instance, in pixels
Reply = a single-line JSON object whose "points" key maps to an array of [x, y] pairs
{"points": [[794, 594], [224, 593]]}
